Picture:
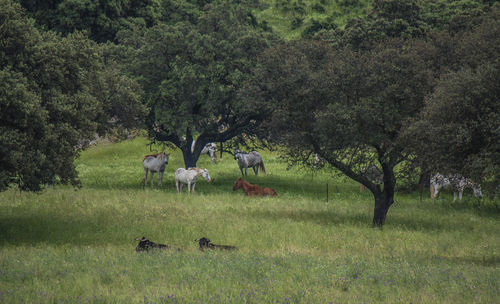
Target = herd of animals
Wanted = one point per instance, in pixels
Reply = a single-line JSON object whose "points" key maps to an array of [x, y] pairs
{"points": [[156, 163]]}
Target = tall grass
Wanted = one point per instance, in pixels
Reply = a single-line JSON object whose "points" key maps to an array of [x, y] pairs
{"points": [[77, 246]]}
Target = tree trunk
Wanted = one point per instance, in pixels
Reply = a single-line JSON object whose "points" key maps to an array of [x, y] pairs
{"points": [[189, 158], [380, 212], [424, 180], [383, 201]]}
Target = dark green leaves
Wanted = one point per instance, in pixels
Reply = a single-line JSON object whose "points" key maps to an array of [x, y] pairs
{"points": [[56, 95], [192, 75]]}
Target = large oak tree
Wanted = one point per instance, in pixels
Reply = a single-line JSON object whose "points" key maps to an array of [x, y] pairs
{"points": [[347, 107], [192, 75]]}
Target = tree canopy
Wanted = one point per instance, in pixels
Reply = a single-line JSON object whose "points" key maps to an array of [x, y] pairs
{"points": [[56, 95], [356, 104], [102, 19], [192, 74], [458, 130], [347, 107]]}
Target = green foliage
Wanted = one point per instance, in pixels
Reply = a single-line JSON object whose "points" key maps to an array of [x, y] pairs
{"points": [[348, 107], [373, 20], [317, 26], [464, 116], [453, 16], [57, 94], [23, 124], [102, 19], [192, 57], [192, 74], [297, 22], [407, 20], [283, 15], [398, 18], [459, 125], [318, 8]]}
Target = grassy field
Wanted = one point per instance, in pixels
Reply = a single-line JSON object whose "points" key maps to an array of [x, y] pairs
{"points": [[78, 246]]}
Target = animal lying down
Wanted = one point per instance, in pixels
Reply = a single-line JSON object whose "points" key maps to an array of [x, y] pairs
{"points": [[252, 190], [205, 244], [146, 245]]}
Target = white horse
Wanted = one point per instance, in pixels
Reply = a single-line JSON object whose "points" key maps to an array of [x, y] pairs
{"points": [[455, 182], [183, 176], [155, 163], [252, 159], [210, 149]]}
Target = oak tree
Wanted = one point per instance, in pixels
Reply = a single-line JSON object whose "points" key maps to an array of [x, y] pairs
{"points": [[192, 75], [348, 107]]}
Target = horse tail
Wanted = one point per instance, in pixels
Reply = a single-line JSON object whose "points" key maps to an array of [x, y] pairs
{"points": [[262, 168]]}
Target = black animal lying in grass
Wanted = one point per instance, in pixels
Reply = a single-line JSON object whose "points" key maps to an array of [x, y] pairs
{"points": [[146, 245], [205, 244]]}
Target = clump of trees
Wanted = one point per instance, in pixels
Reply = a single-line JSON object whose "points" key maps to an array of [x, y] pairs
{"points": [[458, 130], [101, 19], [56, 94], [388, 93]]}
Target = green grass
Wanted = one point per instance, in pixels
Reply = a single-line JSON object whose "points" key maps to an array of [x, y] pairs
{"points": [[78, 246]]}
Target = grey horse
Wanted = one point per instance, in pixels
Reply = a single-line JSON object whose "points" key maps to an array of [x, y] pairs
{"points": [[252, 159], [155, 163], [210, 149], [455, 182]]}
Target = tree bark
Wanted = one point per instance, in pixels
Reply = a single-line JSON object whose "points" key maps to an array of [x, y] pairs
{"points": [[382, 205], [189, 158], [385, 198], [383, 201]]}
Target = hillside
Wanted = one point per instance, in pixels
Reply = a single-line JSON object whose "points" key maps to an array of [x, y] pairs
{"points": [[289, 19]]}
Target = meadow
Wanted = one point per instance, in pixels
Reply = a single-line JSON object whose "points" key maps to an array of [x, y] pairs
{"points": [[67, 245]]}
